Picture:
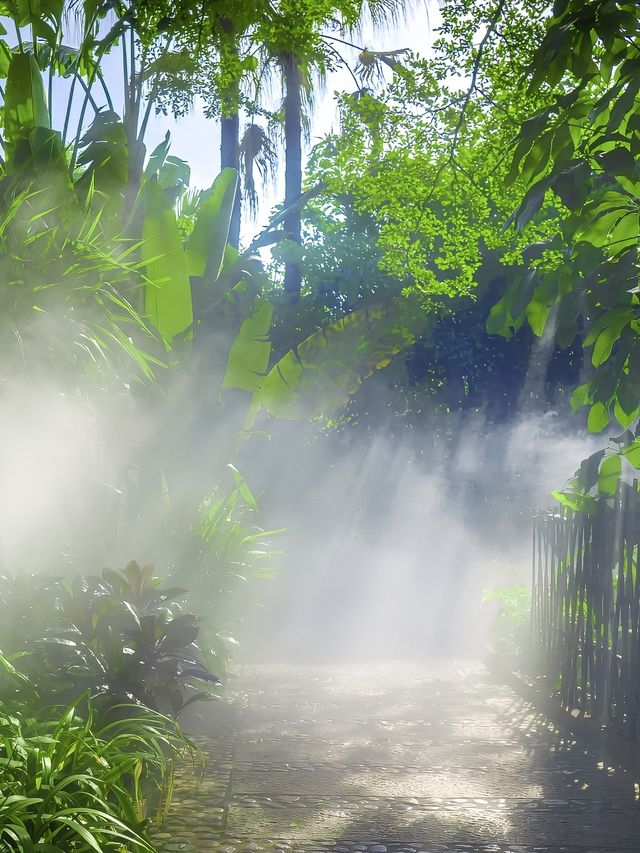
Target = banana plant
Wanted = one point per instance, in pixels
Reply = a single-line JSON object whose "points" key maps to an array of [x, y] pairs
{"points": [[318, 376]]}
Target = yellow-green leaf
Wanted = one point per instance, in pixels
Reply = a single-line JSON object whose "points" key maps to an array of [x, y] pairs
{"points": [[205, 251], [249, 354], [598, 417], [609, 474], [25, 102], [168, 291]]}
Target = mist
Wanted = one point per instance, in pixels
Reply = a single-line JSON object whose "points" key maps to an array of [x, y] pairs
{"points": [[390, 536], [391, 541]]}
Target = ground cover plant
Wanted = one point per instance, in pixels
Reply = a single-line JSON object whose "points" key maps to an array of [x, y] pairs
{"points": [[78, 778], [89, 666]]}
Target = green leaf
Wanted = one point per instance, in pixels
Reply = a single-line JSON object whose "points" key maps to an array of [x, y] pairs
{"points": [[322, 372], [632, 453], [243, 489], [5, 59], [531, 204], [168, 290], [158, 156], [587, 475], [180, 632], [499, 321], [577, 501], [610, 220], [614, 322], [609, 474], [205, 251], [249, 354], [537, 313], [624, 418], [104, 154], [619, 161], [44, 31], [573, 185], [598, 417], [25, 103], [174, 172], [77, 827]]}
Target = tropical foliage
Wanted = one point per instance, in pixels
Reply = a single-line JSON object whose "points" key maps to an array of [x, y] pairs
{"points": [[123, 637], [580, 151], [489, 190], [74, 780]]}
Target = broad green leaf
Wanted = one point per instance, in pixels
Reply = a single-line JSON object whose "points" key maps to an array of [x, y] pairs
{"points": [[22, 12], [544, 297], [104, 156], [609, 474], [5, 59], [25, 103], [249, 354], [624, 418], [174, 172], [576, 501], [587, 475], [43, 30], [531, 204], [573, 185], [615, 321], [48, 153], [610, 222], [537, 315], [158, 156], [205, 251], [598, 417], [619, 161], [499, 321], [628, 392], [632, 453], [328, 367], [168, 290]]}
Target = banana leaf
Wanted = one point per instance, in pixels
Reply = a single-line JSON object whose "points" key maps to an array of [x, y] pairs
{"points": [[168, 291], [320, 374], [249, 354], [205, 251], [25, 102]]}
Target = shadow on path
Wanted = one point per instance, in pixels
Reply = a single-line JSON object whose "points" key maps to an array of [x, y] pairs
{"points": [[396, 757]]}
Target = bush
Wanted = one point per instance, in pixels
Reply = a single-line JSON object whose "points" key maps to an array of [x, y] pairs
{"points": [[118, 638], [71, 782]]}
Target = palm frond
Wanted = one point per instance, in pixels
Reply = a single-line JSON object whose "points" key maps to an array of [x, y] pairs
{"points": [[257, 151], [370, 63]]}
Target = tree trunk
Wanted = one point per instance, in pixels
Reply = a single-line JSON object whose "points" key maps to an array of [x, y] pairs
{"points": [[230, 157], [293, 165]]}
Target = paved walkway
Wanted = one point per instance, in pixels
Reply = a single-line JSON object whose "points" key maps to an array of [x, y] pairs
{"points": [[395, 758]]}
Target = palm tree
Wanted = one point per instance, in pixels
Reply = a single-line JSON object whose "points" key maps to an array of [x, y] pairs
{"points": [[297, 51], [290, 40]]}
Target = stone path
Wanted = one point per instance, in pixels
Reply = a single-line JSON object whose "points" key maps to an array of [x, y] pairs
{"points": [[384, 759]]}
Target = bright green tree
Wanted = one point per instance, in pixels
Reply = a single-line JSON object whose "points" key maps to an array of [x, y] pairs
{"points": [[579, 153]]}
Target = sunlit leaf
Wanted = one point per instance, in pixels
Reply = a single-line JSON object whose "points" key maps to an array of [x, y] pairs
{"points": [[168, 290]]}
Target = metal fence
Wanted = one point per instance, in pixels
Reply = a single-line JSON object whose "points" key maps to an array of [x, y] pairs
{"points": [[586, 609]]}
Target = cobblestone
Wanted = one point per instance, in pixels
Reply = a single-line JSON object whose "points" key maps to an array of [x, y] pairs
{"points": [[394, 759]]}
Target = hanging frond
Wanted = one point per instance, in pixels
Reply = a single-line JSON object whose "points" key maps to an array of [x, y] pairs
{"points": [[256, 151], [370, 63]]}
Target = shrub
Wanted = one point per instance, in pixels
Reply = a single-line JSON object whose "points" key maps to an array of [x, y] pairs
{"points": [[71, 782], [118, 638]]}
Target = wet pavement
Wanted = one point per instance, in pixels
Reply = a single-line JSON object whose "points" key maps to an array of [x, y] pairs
{"points": [[391, 758]]}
